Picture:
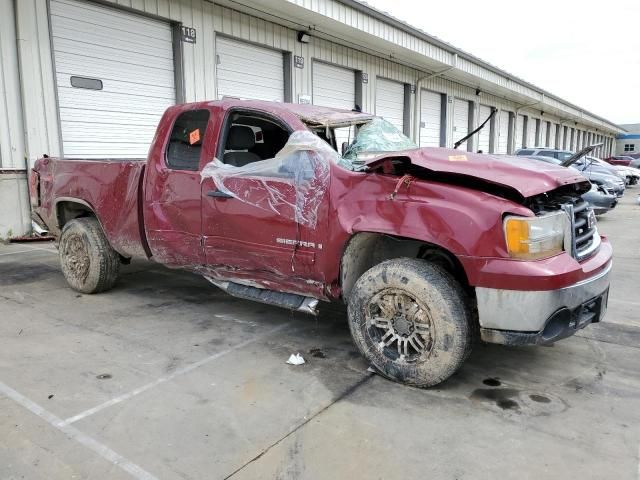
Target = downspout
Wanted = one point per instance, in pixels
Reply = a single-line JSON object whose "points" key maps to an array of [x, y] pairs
{"points": [[418, 99]]}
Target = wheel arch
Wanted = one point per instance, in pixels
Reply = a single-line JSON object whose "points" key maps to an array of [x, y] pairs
{"points": [[364, 250], [69, 208]]}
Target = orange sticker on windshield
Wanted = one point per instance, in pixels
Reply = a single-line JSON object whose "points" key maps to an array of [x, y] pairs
{"points": [[457, 158], [194, 137]]}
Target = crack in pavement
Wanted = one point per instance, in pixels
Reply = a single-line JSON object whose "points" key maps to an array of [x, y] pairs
{"points": [[342, 396]]}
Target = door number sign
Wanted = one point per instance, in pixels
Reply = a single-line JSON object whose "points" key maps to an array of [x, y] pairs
{"points": [[188, 34]]}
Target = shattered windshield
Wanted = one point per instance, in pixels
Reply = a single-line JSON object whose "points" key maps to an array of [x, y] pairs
{"points": [[376, 137], [362, 141]]}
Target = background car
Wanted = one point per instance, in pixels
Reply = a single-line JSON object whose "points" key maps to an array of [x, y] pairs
{"points": [[605, 176], [623, 160]]}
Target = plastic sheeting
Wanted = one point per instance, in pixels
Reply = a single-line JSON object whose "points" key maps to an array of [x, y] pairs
{"points": [[378, 136], [293, 184]]}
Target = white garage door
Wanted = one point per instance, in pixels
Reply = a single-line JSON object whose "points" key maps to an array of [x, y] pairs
{"points": [[552, 135], [531, 133], [390, 102], [430, 118], [248, 71], [333, 86], [543, 134], [484, 136], [519, 131], [503, 132], [460, 121], [115, 78]]}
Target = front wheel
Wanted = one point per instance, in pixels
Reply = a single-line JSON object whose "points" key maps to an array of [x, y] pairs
{"points": [[411, 320], [88, 262]]}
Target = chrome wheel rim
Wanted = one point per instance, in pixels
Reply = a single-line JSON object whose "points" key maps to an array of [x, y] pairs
{"points": [[399, 325]]}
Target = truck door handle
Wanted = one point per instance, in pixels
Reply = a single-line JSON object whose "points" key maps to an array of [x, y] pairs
{"points": [[218, 194]]}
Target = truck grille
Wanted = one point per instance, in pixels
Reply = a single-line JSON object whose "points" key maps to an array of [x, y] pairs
{"points": [[585, 234]]}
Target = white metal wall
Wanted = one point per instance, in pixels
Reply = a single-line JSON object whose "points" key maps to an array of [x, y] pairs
{"points": [[11, 133], [503, 132]]}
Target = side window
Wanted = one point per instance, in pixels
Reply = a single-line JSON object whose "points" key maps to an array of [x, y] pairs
{"points": [[186, 140], [251, 137]]}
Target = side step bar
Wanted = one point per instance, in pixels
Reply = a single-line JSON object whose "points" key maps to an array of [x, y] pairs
{"points": [[290, 301]]}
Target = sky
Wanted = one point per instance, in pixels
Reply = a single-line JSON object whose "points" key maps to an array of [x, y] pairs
{"points": [[585, 52]]}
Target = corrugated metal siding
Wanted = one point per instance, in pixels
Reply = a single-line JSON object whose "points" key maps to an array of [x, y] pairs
{"points": [[11, 126], [38, 86]]}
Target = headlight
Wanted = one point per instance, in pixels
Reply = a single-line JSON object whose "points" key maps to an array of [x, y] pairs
{"points": [[531, 238]]}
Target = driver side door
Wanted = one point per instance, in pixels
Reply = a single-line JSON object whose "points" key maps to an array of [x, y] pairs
{"points": [[263, 231]]}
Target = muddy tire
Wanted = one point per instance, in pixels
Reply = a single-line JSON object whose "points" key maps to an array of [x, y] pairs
{"points": [[88, 262], [411, 320]]}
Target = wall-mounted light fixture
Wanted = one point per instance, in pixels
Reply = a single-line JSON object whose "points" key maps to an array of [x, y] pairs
{"points": [[303, 37], [478, 92]]}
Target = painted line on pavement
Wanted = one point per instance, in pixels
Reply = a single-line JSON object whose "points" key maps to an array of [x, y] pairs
{"points": [[181, 371], [73, 433]]}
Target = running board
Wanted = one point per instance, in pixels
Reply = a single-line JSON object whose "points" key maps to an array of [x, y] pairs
{"points": [[290, 301]]}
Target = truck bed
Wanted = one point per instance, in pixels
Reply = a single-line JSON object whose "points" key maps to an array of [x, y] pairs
{"points": [[109, 187]]}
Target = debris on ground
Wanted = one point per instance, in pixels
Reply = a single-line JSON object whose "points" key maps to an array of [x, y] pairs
{"points": [[295, 359]]}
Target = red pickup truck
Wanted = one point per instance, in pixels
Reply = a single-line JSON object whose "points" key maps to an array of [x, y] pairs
{"points": [[429, 247]]}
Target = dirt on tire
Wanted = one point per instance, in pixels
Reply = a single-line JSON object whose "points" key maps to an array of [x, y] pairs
{"points": [[88, 262], [438, 300]]}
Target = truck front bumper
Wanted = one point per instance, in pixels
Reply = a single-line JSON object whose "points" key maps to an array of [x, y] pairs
{"points": [[515, 317]]}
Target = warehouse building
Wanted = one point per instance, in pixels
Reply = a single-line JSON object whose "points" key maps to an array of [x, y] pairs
{"points": [[85, 78], [628, 143]]}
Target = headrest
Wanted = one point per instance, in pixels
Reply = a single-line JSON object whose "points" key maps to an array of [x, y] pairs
{"points": [[240, 138]]}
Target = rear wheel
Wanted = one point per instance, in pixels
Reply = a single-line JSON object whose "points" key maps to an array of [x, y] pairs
{"points": [[411, 320], [88, 262]]}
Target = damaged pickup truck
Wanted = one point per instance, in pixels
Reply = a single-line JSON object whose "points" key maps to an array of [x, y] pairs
{"points": [[430, 248]]}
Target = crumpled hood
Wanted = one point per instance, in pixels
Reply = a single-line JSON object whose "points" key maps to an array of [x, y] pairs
{"points": [[527, 177]]}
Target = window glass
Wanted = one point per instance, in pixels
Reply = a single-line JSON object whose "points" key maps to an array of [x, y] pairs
{"points": [[187, 138], [629, 147]]}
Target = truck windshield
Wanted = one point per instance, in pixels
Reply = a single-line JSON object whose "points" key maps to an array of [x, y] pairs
{"points": [[374, 138], [360, 142]]}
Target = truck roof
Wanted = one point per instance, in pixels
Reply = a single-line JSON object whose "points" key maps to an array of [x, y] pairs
{"points": [[309, 114]]}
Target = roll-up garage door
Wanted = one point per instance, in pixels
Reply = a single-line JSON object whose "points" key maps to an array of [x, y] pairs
{"points": [[333, 86], [390, 101], [503, 132], [115, 77], [531, 133], [460, 121], [484, 137], [248, 71], [552, 135], [430, 119], [519, 131], [543, 133]]}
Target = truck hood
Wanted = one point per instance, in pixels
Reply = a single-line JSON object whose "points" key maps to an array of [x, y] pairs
{"points": [[525, 177]]}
